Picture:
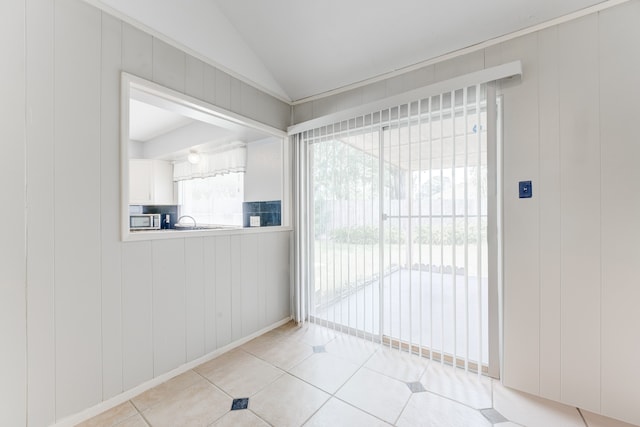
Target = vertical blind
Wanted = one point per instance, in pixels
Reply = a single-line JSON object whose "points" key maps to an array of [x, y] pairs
{"points": [[391, 236]]}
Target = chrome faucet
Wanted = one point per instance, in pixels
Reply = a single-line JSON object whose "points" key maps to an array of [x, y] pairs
{"points": [[187, 216]]}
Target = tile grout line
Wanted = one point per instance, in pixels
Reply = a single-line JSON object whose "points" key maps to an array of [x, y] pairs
{"points": [[282, 339], [216, 386], [359, 409], [275, 366], [146, 421], [138, 411], [583, 418], [331, 395], [233, 398], [386, 375], [173, 393], [287, 372], [259, 417], [466, 405], [362, 366], [334, 395], [249, 397], [404, 407]]}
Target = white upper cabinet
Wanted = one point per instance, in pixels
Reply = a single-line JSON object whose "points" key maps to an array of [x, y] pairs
{"points": [[151, 182]]}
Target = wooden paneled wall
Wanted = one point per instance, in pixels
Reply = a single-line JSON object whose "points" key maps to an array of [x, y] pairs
{"points": [[86, 315], [13, 367]]}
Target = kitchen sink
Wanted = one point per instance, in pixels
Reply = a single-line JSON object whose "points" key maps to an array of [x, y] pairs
{"points": [[201, 227], [182, 226]]}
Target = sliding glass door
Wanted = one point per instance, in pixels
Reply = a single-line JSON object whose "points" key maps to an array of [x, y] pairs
{"points": [[398, 235], [345, 171]]}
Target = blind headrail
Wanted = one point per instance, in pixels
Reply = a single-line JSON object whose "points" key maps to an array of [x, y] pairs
{"points": [[499, 72]]}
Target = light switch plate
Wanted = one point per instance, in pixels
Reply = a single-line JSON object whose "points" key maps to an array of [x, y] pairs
{"points": [[254, 221], [525, 189]]}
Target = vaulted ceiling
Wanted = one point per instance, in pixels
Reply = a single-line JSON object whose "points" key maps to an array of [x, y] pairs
{"points": [[296, 49]]}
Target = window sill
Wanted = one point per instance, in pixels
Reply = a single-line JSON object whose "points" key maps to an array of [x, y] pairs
{"points": [[136, 236]]}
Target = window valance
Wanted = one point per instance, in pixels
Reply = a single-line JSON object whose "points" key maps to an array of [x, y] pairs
{"points": [[227, 159]]}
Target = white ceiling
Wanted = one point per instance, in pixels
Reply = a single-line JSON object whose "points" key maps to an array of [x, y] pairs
{"points": [[148, 121], [167, 130], [300, 48]]}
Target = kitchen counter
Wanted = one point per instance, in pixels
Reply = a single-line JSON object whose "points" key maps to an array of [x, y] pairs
{"points": [[141, 235]]}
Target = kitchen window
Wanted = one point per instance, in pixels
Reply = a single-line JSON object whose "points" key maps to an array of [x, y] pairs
{"points": [[181, 156], [213, 200]]}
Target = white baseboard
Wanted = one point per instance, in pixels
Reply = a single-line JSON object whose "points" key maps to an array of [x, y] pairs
{"points": [[91, 412]]}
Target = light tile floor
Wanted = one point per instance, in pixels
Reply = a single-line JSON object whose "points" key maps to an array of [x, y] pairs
{"points": [[313, 376]]}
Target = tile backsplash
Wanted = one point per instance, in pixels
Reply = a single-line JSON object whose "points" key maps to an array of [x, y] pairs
{"points": [[270, 212]]}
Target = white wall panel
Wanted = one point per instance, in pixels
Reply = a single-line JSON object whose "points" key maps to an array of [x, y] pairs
{"points": [[276, 277], [111, 252], [249, 283], [521, 220], [137, 314], [236, 287], [94, 320], [235, 94], [40, 198], [13, 356], [248, 100], [223, 290], [548, 192], [461, 65], [266, 112], [169, 340], [373, 92], [394, 85], [323, 107], [137, 52], [619, 112], [77, 189], [209, 76], [262, 247], [195, 297], [272, 111], [283, 263], [223, 89], [169, 66], [194, 77], [349, 99], [420, 77], [580, 201], [210, 315], [269, 278], [304, 112]]}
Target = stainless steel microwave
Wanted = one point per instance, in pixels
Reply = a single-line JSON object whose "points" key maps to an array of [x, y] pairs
{"points": [[144, 221]]}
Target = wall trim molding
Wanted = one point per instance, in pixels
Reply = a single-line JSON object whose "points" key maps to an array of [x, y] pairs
{"points": [[158, 35], [499, 72], [103, 406], [466, 50], [606, 4]]}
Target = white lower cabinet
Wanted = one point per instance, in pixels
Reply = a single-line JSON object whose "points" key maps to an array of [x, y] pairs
{"points": [[150, 182]]}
